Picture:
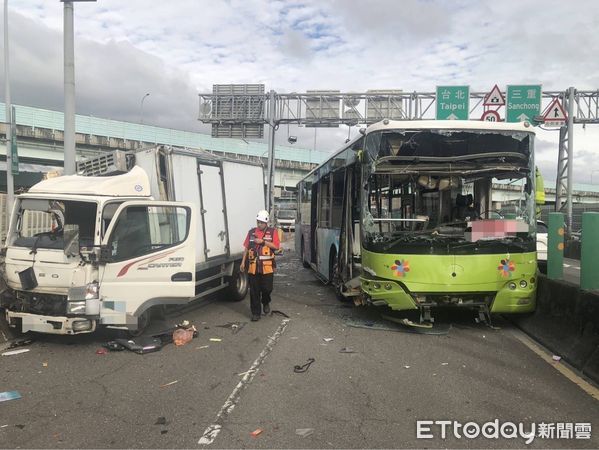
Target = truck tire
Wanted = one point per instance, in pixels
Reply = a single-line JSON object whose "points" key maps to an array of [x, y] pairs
{"points": [[143, 322], [238, 285]]}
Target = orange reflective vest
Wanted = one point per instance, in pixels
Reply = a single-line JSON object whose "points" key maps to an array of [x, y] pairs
{"points": [[261, 258]]}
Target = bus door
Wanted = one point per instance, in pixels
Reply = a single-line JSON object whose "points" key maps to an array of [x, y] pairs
{"points": [[313, 222]]}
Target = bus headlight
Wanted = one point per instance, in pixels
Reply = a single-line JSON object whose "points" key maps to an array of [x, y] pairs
{"points": [[377, 285], [388, 286], [512, 285], [523, 284]]}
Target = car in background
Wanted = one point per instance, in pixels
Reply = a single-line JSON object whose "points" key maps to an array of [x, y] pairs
{"points": [[285, 219]]}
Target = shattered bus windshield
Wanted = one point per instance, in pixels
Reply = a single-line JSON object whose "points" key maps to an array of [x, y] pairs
{"points": [[431, 192]]}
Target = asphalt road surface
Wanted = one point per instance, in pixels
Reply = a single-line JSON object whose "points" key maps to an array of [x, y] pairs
{"points": [[214, 394]]}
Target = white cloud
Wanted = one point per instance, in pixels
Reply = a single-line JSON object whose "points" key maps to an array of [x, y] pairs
{"points": [[176, 49]]}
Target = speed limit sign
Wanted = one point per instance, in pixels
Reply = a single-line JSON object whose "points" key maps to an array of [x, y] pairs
{"points": [[491, 116]]}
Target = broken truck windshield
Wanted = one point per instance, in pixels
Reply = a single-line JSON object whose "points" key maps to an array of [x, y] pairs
{"points": [[40, 223]]}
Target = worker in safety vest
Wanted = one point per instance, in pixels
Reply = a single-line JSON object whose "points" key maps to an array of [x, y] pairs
{"points": [[259, 261]]}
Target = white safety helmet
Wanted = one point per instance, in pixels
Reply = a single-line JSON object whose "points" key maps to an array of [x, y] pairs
{"points": [[262, 216]]}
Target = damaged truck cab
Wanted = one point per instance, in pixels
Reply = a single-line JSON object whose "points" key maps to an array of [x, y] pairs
{"points": [[84, 252]]}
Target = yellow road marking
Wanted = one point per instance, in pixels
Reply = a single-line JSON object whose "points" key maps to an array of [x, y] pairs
{"points": [[558, 365]]}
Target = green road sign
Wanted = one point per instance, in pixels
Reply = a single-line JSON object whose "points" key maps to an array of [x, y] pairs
{"points": [[453, 102], [523, 103]]}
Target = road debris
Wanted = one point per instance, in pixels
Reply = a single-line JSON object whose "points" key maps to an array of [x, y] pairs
{"points": [[101, 351], [328, 339], [347, 350], [444, 364], [382, 325], [160, 421], [9, 395], [407, 367], [235, 327], [305, 367], [169, 384], [556, 358], [215, 339], [15, 352], [21, 343], [202, 346], [182, 336], [44, 364], [140, 345], [304, 432], [257, 432]]}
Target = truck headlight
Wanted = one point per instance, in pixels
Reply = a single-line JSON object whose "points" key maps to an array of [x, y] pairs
{"points": [[76, 307], [91, 291]]}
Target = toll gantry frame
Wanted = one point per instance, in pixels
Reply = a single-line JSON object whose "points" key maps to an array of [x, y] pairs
{"points": [[243, 110]]}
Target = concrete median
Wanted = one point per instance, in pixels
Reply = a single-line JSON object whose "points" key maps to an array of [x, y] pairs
{"points": [[566, 322]]}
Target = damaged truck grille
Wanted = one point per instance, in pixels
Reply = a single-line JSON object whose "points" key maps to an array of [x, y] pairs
{"points": [[35, 303]]}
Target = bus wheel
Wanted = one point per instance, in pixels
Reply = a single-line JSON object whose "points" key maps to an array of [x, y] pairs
{"points": [[302, 256], [238, 284]]}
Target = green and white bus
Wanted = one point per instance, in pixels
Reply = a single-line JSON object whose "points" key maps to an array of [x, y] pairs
{"points": [[403, 216]]}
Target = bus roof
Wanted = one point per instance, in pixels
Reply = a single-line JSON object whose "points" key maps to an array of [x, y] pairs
{"points": [[461, 125]]}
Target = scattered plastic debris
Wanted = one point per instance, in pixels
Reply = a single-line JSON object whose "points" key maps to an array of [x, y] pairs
{"points": [[101, 351], [169, 384], [328, 339], [305, 367], [444, 364], [257, 432], [3, 426], [160, 421], [215, 339], [15, 352], [347, 350], [202, 346], [556, 358], [9, 395], [407, 367], [21, 343], [304, 432], [182, 336], [382, 325], [44, 364], [235, 327], [140, 345]]}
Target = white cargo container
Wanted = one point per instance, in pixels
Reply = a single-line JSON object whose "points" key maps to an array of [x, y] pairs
{"points": [[134, 231]]}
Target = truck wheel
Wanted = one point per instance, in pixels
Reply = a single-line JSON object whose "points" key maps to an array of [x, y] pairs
{"points": [[143, 322], [238, 285]]}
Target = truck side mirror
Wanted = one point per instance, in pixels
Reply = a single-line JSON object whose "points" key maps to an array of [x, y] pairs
{"points": [[71, 240]]}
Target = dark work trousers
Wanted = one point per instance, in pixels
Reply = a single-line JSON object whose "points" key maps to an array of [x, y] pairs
{"points": [[260, 289]]}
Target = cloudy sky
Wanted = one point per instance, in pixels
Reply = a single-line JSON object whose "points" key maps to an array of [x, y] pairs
{"points": [[179, 48]]}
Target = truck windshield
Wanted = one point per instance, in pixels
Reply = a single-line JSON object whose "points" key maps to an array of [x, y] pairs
{"points": [[40, 222]]}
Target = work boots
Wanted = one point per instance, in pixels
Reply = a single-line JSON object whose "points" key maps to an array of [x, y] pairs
{"points": [[266, 308]]}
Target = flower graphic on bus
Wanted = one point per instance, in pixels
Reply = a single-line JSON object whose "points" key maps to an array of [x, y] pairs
{"points": [[506, 268], [401, 267]]}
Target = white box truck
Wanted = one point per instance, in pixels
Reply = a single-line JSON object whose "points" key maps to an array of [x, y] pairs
{"points": [[131, 233]]}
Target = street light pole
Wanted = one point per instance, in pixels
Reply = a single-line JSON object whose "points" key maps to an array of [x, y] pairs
{"points": [[10, 188], [69, 90], [141, 109]]}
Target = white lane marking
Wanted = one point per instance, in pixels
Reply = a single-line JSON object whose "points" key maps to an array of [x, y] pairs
{"points": [[211, 433], [559, 366]]}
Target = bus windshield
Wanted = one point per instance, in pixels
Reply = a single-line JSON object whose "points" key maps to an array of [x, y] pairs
{"points": [[431, 192]]}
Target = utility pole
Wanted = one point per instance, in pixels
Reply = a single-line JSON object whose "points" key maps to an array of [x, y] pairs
{"points": [[10, 188], [70, 157], [69, 90], [271, 152]]}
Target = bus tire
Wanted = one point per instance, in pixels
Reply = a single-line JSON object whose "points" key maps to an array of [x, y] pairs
{"points": [[302, 256], [238, 284]]}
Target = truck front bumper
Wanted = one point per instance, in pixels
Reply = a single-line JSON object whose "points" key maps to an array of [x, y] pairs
{"points": [[50, 324]]}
